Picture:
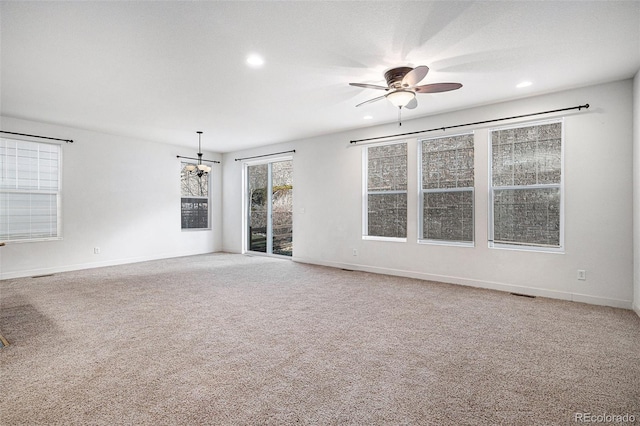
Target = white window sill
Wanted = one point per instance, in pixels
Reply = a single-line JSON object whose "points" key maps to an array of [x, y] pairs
{"points": [[390, 239]]}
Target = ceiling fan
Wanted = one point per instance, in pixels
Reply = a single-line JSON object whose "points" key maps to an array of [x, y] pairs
{"points": [[402, 85]]}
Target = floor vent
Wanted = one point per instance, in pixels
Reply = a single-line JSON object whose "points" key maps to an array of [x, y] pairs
{"points": [[42, 276], [523, 295]]}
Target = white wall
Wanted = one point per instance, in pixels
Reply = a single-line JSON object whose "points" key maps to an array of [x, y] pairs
{"points": [[598, 204], [636, 193], [119, 194]]}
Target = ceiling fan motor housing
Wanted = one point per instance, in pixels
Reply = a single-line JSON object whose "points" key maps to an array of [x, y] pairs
{"points": [[395, 75]]}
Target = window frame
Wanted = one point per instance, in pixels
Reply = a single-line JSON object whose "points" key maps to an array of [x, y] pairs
{"points": [[207, 198], [422, 191], [560, 249], [57, 193], [366, 193]]}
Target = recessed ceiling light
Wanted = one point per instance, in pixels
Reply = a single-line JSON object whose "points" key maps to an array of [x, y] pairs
{"points": [[255, 61], [367, 117], [524, 84]]}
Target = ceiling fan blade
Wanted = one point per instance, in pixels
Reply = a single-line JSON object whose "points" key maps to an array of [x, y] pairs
{"points": [[370, 100], [415, 76], [413, 103], [437, 87], [369, 86]]}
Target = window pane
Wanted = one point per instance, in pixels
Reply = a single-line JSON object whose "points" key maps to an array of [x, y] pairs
{"points": [[387, 215], [282, 207], [527, 156], [258, 176], [191, 185], [28, 216], [387, 167], [195, 213], [527, 216], [448, 162], [448, 216]]}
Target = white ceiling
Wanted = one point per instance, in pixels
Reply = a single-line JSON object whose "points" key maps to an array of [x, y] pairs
{"points": [[163, 70]]}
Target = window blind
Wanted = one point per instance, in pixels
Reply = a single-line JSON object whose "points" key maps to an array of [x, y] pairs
{"points": [[29, 190]]}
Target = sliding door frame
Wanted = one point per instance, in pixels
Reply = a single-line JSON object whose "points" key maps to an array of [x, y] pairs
{"points": [[246, 205]]}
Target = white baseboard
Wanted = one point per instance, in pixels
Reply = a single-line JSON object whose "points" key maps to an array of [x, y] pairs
{"points": [[89, 265], [491, 285], [531, 291]]}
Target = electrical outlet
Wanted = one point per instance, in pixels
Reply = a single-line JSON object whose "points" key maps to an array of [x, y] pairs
{"points": [[96, 250], [355, 252], [582, 275]]}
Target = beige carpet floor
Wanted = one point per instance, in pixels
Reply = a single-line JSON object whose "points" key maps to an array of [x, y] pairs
{"points": [[229, 339]]}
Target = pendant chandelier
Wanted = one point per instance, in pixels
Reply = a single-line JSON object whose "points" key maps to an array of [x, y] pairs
{"points": [[198, 169]]}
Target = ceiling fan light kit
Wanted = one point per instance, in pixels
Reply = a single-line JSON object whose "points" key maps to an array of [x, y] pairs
{"points": [[401, 98]]}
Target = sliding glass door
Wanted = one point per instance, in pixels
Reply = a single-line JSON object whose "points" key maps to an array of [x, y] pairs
{"points": [[258, 181], [269, 215]]}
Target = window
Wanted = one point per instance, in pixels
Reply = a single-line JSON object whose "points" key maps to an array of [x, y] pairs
{"points": [[195, 199], [446, 194], [527, 186], [385, 192], [29, 190]]}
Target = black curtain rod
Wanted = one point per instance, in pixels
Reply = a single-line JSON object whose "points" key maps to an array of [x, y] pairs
{"points": [[265, 155], [191, 158], [36, 136], [579, 107]]}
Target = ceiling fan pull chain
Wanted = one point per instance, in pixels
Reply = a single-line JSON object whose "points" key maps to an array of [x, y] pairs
{"points": [[399, 116]]}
